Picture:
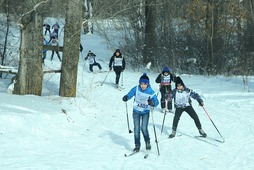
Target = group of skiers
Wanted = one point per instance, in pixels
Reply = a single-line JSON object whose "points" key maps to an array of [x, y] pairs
{"points": [[146, 99], [52, 41]]}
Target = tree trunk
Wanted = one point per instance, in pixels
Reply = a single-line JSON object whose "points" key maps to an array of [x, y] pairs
{"points": [[150, 35], [70, 59], [30, 74]]}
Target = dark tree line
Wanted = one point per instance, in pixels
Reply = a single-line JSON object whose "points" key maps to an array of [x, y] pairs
{"points": [[207, 37], [191, 36]]}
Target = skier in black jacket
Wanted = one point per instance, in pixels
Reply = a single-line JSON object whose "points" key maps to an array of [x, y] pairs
{"points": [[165, 79], [118, 63]]}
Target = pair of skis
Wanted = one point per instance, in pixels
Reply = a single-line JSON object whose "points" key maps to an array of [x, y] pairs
{"points": [[133, 153]]}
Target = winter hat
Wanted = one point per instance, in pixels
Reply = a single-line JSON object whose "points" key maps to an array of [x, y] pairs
{"points": [[144, 79], [90, 52], [165, 69], [179, 81], [117, 50]]}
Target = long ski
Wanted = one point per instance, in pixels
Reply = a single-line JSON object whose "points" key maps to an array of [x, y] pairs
{"points": [[133, 153], [128, 155], [209, 138]]}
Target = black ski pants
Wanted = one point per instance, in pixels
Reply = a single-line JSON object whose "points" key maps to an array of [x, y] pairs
{"points": [[192, 114]]}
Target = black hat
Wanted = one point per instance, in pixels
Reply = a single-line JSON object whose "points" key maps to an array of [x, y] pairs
{"points": [[144, 79], [117, 50], [178, 81]]}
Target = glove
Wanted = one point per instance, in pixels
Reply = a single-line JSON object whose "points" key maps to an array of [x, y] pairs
{"points": [[110, 68], [122, 69], [125, 98], [150, 102], [201, 103]]}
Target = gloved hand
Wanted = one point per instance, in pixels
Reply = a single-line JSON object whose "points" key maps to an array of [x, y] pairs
{"points": [[150, 102], [110, 68], [125, 98], [201, 103], [122, 69]]}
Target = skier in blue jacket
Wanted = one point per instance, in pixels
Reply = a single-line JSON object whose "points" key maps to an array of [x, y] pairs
{"points": [[145, 98], [182, 99], [44, 52]]}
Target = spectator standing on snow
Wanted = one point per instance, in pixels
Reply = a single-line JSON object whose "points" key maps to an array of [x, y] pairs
{"points": [[165, 78], [118, 63], [145, 98], [92, 62], [47, 28], [181, 95], [56, 28], [54, 42]]}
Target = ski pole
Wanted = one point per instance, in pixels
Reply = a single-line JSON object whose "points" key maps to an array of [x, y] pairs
{"points": [[127, 118], [164, 115], [166, 107], [213, 123], [156, 141], [105, 78]]}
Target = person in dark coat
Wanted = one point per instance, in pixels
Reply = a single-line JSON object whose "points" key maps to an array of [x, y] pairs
{"points": [[54, 42], [47, 28], [118, 63], [182, 98], [165, 79], [56, 27]]}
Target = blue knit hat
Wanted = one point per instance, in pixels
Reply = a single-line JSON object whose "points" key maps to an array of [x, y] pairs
{"points": [[144, 79], [166, 69]]}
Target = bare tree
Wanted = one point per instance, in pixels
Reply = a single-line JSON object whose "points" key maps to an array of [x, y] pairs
{"points": [[6, 34], [71, 48], [150, 34], [30, 73]]}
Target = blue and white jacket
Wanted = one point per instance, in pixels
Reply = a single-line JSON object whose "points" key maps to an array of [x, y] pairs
{"points": [[140, 104], [45, 42], [182, 98]]}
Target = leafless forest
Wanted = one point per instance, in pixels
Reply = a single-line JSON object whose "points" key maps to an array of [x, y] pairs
{"points": [[207, 37]]}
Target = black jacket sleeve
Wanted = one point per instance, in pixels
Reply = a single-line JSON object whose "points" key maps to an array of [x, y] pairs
{"points": [[123, 64], [111, 61], [158, 79]]}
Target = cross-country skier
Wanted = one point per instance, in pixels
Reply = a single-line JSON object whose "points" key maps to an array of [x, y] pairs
{"points": [[54, 42], [181, 95], [118, 63], [92, 62], [145, 98], [165, 78]]}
